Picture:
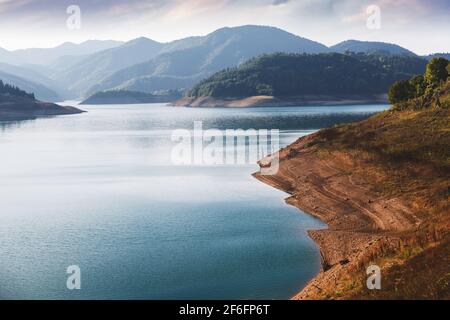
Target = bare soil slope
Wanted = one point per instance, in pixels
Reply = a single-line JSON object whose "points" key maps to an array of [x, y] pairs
{"points": [[383, 187]]}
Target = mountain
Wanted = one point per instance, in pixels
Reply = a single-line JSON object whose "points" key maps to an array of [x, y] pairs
{"points": [[370, 47], [290, 75], [83, 74], [39, 65], [184, 62], [41, 91], [17, 104], [147, 66], [438, 55], [35, 74], [45, 56], [9, 57]]}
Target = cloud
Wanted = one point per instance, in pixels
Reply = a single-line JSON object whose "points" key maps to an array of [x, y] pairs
{"points": [[279, 2], [42, 22]]}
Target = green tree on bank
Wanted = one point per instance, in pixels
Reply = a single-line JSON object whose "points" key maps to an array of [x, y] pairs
{"points": [[420, 85], [437, 71]]}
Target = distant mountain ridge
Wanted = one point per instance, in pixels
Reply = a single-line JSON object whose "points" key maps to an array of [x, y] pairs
{"points": [[44, 56], [445, 55], [30, 75], [81, 76], [49, 55], [187, 61], [31, 69], [40, 91], [145, 65], [370, 47]]}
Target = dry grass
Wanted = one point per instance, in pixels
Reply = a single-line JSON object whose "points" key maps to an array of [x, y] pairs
{"points": [[404, 152]]}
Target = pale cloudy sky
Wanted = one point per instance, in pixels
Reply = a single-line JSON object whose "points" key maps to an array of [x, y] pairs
{"points": [[419, 25]]}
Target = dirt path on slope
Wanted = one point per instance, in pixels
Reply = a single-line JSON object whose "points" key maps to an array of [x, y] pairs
{"points": [[360, 220]]}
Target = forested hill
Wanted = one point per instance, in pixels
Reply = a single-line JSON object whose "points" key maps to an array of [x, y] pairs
{"points": [[17, 104], [131, 97], [286, 75], [7, 90]]}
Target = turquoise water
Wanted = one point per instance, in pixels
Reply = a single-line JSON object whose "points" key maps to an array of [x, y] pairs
{"points": [[98, 190]]}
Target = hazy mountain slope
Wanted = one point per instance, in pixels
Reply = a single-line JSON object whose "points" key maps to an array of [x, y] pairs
{"points": [[41, 92], [369, 47], [80, 76], [61, 64], [9, 57], [195, 58], [49, 55], [36, 75]]}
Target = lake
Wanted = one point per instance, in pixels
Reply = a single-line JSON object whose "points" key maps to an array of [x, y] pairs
{"points": [[99, 190]]}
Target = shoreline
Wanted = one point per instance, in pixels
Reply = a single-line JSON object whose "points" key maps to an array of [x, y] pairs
{"points": [[361, 223], [27, 110], [270, 101]]}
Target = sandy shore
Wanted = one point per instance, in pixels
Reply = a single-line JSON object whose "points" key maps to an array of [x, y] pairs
{"points": [[270, 101]]}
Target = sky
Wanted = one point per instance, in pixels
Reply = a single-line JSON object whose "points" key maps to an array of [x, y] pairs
{"points": [[422, 26]]}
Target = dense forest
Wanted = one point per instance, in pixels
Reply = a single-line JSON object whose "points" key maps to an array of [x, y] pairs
{"points": [[9, 90], [126, 96], [284, 75]]}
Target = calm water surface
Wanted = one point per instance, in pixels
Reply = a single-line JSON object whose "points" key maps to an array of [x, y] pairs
{"points": [[98, 190]]}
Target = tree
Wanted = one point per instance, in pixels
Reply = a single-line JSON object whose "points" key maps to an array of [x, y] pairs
{"points": [[448, 68], [419, 84], [7, 89], [401, 91], [436, 71], [264, 89]]}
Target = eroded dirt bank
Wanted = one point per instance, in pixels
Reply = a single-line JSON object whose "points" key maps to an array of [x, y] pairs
{"points": [[381, 208]]}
